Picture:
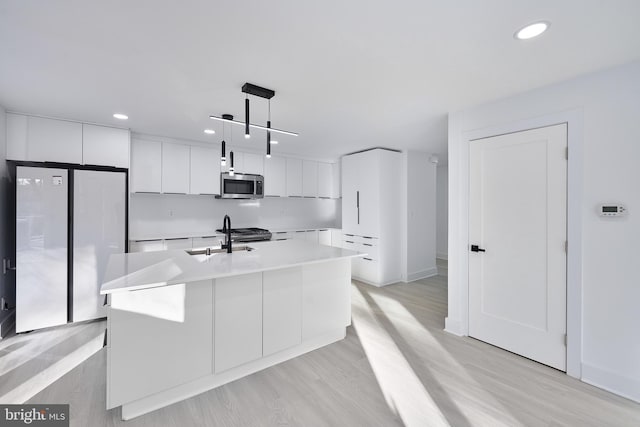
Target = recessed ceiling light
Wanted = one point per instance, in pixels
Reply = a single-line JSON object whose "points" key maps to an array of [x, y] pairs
{"points": [[120, 116], [209, 131], [274, 141], [532, 30]]}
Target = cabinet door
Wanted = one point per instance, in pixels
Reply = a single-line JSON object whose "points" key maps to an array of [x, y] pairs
{"points": [[161, 338], [253, 163], [294, 177], [207, 242], [325, 180], [336, 238], [368, 187], [105, 146], [146, 166], [175, 168], [16, 137], [205, 171], [52, 140], [326, 297], [238, 320], [350, 181], [311, 236], [324, 237], [336, 187], [275, 176], [282, 305], [309, 178], [146, 245], [178, 243]]}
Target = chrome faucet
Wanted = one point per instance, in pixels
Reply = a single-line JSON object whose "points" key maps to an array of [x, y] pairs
{"points": [[226, 229]]}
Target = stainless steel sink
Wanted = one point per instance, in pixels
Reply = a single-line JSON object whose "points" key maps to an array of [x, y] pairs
{"points": [[211, 251]]}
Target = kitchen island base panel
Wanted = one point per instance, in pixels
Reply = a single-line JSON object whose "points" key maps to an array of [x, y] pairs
{"points": [[184, 391]]}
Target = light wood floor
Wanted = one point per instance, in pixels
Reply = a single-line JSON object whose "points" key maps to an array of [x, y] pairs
{"points": [[396, 367]]}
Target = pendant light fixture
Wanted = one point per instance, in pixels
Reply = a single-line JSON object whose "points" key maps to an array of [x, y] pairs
{"points": [[231, 169], [269, 132], [247, 135], [223, 155]]}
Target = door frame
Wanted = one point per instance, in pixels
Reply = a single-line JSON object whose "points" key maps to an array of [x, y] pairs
{"points": [[574, 121]]}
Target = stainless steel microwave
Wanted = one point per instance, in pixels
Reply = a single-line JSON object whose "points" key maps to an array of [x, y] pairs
{"points": [[241, 186]]}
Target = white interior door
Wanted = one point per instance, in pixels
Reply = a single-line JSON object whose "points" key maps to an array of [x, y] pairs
{"points": [[518, 216]]}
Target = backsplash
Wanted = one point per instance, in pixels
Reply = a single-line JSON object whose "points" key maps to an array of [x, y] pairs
{"points": [[158, 214]]}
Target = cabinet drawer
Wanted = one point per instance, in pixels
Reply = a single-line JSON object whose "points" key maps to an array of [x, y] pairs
{"points": [[366, 269], [181, 243]]}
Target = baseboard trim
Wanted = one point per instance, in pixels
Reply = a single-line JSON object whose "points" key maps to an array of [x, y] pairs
{"points": [[442, 256], [611, 381], [430, 272], [453, 326], [7, 323]]}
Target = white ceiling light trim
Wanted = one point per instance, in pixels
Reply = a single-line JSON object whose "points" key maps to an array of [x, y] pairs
{"points": [[532, 30], [209, 131], [120, 116]]}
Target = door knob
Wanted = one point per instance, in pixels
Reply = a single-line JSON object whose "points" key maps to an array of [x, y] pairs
{"points": [[475, 248]]}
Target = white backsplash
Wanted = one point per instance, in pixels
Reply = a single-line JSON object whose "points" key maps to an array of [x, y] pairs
{"points": [[160, 214]]}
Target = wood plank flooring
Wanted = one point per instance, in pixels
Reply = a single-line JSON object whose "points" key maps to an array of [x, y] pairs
{"points": [[396, 367]]}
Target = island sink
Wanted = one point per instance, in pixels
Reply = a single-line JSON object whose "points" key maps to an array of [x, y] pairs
{"points": [[211, 251]]}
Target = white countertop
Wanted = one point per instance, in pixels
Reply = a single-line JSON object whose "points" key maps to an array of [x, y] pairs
{"points": [[142, 270], [191, 234]]}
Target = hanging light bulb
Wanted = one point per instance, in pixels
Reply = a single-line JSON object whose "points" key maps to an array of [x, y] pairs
{"points": [[231, 169], [223, 155], [246, 118]]}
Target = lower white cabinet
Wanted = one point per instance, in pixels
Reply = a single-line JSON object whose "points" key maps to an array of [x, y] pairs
{"points": [[282, 309], [162, 337], [324, 237], [146, 245], [368, 268], [179, 243], [326, 297], [207, 241], [238, 320]]}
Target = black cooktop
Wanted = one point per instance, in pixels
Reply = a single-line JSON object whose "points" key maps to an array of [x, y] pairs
{"points": [[251, 230], [252, 234]]}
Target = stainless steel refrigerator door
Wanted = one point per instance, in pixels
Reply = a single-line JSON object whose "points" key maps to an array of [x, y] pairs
{"points": [[99, 223], [41, 247]]}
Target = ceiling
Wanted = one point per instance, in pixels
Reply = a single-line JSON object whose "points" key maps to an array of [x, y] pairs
{"points": [[348, 75]]}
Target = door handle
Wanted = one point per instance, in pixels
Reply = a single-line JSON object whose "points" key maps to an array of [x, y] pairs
{"points": [[475, 248]]}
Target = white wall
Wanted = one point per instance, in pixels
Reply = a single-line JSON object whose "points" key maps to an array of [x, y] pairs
{"points": [[156, 215], [442, 209], [608, 104], [419, 252]]}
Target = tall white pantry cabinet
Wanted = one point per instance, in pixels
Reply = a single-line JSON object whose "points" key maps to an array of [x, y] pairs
{"points": [[371, 214]]}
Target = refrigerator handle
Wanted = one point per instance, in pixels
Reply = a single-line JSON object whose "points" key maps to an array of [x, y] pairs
{"points": [[6, 266]]}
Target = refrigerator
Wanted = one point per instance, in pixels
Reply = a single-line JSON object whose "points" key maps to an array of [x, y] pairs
{"points": [[68, 222]]}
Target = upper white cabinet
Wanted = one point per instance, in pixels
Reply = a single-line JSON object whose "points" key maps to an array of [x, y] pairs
{"points": [[294, 177], [43, 140], [325, 180], [49, 140], [252, 163], [309, 178], [105, 146], [205, 171], [336, 188], [175, 168], [146, 166], [275, 176]]}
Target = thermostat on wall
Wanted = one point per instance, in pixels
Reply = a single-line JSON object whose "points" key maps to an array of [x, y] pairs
{"points": [[612, 210]]}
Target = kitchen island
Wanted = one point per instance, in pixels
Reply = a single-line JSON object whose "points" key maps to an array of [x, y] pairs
{"points": [[181, 324]]}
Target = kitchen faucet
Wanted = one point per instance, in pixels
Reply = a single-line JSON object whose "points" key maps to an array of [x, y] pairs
{"points": [[226, 229]]}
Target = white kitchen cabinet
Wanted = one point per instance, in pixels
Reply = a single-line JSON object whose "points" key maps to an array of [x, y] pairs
{"points": [[16, 136], [105, 146], [325, 180], [146, 166], [253, 163], [280, 235], [204, 171], [309, 178], [178, 243], [336, 187], [326, 297], [294, 177], [324, 237], [175, 168], [275, 177], [370, 201], [298, 234], [336, 237], [282, 309], [238, 320], [50, 140], [146, 245], [207, 241], [151, 329], [311, 236]]}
